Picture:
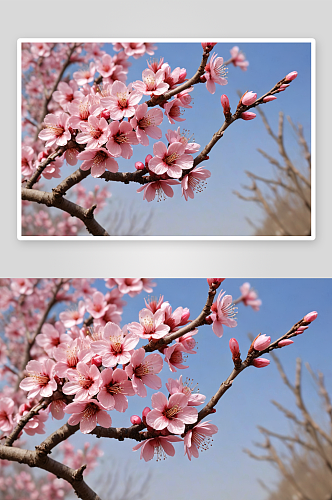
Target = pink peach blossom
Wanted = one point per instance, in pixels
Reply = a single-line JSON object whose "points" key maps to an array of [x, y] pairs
{"points": [[249, 296], [88, 413], [121, 102], [198, 438], [98, 160], [94, 133], [40, 381], [171, 414], [215, 73], [115, 347], [161, 187], [56, 130], [27, 155], [114, 388], [171, 160], [51, 337], [86, 75], [84, 381], [177, 386], [173, 111], [145, 123], [174, 357], [238, 58], [65, 93], [142, 371], [73, 317], [6, 412], [97, 306], [159, 446], [223, 314], [153, 83], [175, 136], [150, 325], [194, 182], [121, 136]]}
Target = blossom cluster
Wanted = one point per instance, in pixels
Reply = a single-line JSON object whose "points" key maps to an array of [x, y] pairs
{"points": [[84, 364], [98, 118]]}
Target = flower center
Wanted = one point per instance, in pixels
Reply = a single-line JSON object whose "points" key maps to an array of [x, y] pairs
{"points": [[121, 138], [122, 99], [148, 324], [57, 130], [146, 121], [171, 158], [142, 369], [150, 82], [41, 379], [72, 358], [171, 413], [90, 411], [116, 343], [100, 157], [83, 110], [176, 357], [114, 388], [95, 133], [85, 383]]}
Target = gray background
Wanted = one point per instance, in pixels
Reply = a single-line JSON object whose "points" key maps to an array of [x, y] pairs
{"points": [[74, 18]]}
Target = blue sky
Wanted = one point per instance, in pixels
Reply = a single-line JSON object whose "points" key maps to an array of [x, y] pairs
{"points": [[217, 211], [224, 471]]}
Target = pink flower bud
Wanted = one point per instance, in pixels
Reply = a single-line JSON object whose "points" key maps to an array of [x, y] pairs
{"points": [[96, 360], [135, 419], [284, 86], [208, 45], [269, 98], [234, 347], [225, 103], [262, 342], [147, 159], [214, 281], [310, 316], [249, 98], [291, 76], [145, 411], [261, 362], [203, 79], [139, 165], [247, 115], [302, 328], [282, 343]]}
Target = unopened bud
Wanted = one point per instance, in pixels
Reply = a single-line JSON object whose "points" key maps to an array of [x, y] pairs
{"points": [[284, 86], [208, 45], [208, 320], [308, 318], [285, 342], [97, 360], [248, 98], [269, 98], [145, 412], [262, 342], [135, 419], [261, 362], [139, 165], [203, 79], [147, 159], [234, 347], [214, 281], [291, 76], [247, 115]]}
